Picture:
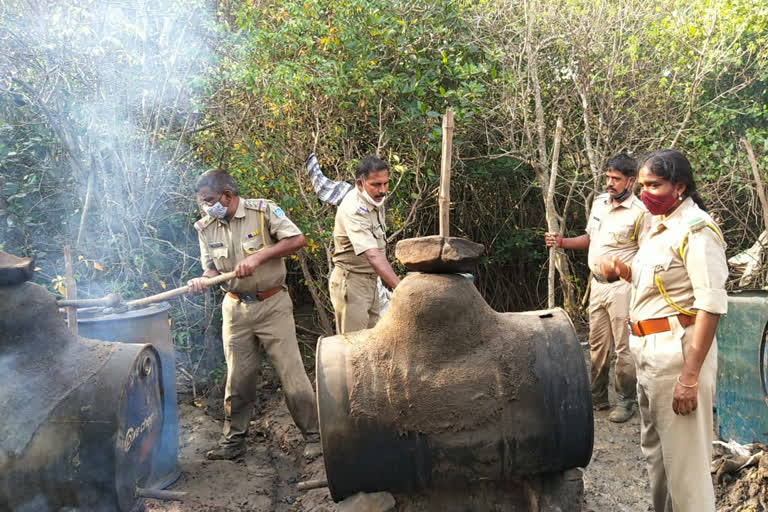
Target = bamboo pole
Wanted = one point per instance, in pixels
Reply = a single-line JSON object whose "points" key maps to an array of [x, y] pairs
{"points": [[311, 484], [71, 294], [160, 494], [552, 223], [444, 199]]}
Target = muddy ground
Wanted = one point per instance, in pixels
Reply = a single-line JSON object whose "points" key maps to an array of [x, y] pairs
{"points": [[265, 478]]}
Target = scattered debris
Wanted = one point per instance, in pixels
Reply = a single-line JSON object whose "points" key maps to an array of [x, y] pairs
{"points": [[740, 476]]}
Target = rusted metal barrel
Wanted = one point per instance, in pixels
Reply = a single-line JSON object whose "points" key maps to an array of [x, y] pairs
{"points": [[444, 391], [147, 325], [79, 419]]}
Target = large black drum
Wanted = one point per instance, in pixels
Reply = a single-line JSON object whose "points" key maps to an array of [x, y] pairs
{"points": [[80, 419], [444, 392]]}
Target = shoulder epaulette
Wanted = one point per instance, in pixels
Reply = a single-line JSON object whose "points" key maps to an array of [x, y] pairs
{"points": [[257, 204], [696, 224], [203, 223]]}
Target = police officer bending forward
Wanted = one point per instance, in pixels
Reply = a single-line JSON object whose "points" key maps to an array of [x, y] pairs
{"points": [[251, 237]]}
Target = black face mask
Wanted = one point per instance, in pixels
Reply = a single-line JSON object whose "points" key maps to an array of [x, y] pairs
{"points": [[622, 195]]}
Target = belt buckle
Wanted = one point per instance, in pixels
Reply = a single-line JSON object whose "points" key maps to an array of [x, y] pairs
{"points": [[639, 326]]}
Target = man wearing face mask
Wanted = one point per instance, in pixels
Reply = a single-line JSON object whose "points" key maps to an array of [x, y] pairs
{"points": [[617, 220], [359, 256], [251, 237]]}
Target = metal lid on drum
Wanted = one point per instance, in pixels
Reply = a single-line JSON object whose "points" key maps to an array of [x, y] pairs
{"points": [[99, 316]]}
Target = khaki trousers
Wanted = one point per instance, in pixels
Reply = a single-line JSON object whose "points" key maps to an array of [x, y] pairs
{"points": [[247, 327], [355, 300], [608, 313], [677, 449]]}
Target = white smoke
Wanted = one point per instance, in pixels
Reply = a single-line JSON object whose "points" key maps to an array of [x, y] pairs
{"points": [[120, 84]]}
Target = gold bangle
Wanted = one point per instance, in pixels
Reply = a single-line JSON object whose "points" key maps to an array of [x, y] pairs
{"points": [[687, 385]]}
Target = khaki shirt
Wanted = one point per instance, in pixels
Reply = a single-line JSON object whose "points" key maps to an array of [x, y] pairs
{"points": [[615, 230], [686, 251], [359, 226], [224, 244]]}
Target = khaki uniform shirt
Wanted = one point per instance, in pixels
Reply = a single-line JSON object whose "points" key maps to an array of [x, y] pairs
{"points": [[359, 226], [615, 230], [685, 254], [257, 223]]}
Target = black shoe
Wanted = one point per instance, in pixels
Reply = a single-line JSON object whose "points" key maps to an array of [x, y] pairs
{"points": [[226, 452]]}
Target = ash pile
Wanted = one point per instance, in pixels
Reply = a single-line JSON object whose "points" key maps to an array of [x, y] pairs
{"points": [[449, 405], [79, 418]]}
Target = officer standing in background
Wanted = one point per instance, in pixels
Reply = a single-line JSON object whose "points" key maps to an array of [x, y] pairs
{"points": [[251, 237], [359, 256], [617, 220]]}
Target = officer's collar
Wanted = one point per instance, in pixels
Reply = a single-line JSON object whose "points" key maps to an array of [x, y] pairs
{"points": [[626, 202], [239, 212], [676, 215]]}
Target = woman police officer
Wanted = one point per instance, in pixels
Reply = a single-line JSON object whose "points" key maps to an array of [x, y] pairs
{"points": [[678, 278]]}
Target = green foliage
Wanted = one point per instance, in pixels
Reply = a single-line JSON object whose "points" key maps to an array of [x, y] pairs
{"points": [[258, 88]]}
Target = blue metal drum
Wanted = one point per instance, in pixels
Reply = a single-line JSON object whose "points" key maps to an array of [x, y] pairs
{"points": [[742, 368]]}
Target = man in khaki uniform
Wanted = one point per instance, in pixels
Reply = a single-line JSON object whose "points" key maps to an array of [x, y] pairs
{"points": [[359, 256], [251, 237], [617, 220]]}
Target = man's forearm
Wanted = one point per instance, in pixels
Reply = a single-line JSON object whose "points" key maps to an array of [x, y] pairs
{"points": [[577, 242], [382, 267]]}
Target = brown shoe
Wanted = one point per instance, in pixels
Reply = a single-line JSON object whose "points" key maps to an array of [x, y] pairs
{"points": [[622, 412], [226, 452], [312, 451]]}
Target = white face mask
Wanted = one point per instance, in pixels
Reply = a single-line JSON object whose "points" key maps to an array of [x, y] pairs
{"points": [[370, 199], [217, 211]]}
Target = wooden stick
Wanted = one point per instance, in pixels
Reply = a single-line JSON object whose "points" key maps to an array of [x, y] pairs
{"points": [[311, 484], [160, 494], [758, 181], [71, 290], [213, 281], [552, 223], [444, 199]]}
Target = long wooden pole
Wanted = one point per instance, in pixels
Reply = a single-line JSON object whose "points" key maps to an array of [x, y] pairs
{"points": [[444, 199], [71, 294], [552, 223], [758, 181], [213, 281]]}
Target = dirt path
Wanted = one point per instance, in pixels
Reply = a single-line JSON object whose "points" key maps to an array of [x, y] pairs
{"points": [[264, 480]]}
